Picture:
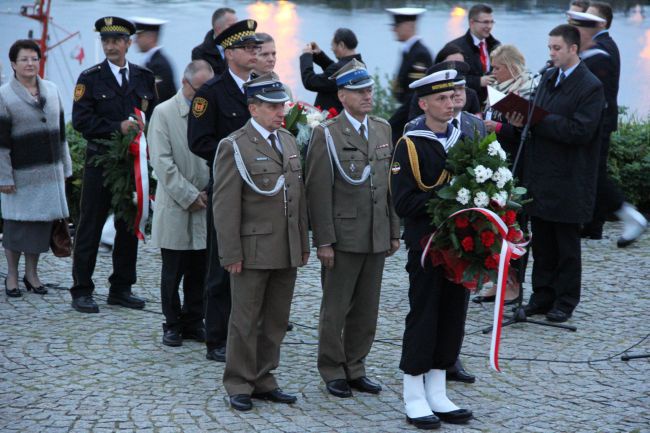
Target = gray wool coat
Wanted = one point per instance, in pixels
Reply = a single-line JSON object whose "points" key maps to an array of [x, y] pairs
{"points": [[34, 154]]}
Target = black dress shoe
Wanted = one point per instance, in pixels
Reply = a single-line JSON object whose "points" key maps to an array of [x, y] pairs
{"points": [[172, 338], [364, 384], [12, 293], [196, 334], [533, 308], [429, 422], [241, 402], [457, 373], [126, 300], [40, 290], [481, 299], [276, 396], [339, 388], [556, 315], [459, 416], [85, 304], [218, 354]]}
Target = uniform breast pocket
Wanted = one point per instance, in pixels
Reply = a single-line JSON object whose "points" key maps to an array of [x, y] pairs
{"points": [[145, 96], [353, 164], [103, 94], [265, 174], [294, 164]]}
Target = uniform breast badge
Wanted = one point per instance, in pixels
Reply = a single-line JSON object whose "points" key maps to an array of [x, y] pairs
{"points": [[199, 105]]}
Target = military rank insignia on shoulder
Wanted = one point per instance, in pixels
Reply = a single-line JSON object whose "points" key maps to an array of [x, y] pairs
{"points": [[380, 120], [199, 105], [92, 69]]}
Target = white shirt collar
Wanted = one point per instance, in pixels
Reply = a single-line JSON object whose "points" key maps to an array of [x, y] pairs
{"points": [[566, 73], [116, 71], [356, 124], [475, 39], [406, 45], [457, 117], [265, 133], [239, 81], [149, 54]]}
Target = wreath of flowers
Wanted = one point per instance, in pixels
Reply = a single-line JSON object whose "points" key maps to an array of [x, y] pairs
{"points": [[468, 245], [301, 118]]}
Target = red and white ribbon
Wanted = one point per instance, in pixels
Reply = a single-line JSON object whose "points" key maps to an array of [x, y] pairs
{"points": [[138, 149], [509, 251]]}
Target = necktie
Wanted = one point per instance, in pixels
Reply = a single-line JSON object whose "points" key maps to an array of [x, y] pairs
{"points": [[125, 81], [562, 77], [362, 133], [483, 54], [455, 122], [274, 145]]}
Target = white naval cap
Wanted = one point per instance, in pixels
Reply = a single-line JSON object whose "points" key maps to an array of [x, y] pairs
{"points": [[583, 19], [143, 24], [401, 15], [441, 81]]}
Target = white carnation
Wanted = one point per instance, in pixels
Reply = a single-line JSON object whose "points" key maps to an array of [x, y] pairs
{"points": [[502, 176], [481, 199], [500, 198], [482, 173], [463, 196], [314, 119], [502, 154]]}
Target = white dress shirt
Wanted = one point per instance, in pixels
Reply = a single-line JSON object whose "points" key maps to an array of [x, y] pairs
{"points": [[356, 124], [116, 71], [266, 134]]}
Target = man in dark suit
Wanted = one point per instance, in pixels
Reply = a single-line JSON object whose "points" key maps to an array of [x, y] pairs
{"points": [[147, 35], [476, 45], [104, 99], [416, 58], [560, 170], [344, 44], [601, 55], [219, 108], [209, 50]]}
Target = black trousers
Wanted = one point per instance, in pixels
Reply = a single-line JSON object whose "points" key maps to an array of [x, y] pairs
{"points": [[95, 206], [435, 324], [557, 266], [188, 265], [216, 297], [609, 197]]}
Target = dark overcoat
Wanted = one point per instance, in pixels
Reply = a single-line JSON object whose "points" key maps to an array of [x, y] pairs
{"points": [[164, 73], [208, 51]]}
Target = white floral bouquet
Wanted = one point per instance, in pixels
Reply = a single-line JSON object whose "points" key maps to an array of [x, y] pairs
{"points": [[300, 118], [467, 243]]}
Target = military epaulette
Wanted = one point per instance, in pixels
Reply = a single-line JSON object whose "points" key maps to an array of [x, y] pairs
{"points": [[285, 131], [96, 68], [379, 119], [234, 135], [329, 122]]}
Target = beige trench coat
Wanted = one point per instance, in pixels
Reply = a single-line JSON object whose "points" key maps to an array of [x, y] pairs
{"points": [[181, 176]]}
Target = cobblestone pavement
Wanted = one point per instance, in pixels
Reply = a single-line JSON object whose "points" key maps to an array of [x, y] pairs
{"points": [[61, 371]]}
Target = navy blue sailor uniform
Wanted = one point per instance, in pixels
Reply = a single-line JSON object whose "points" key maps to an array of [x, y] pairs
{"points": [[100, 106], [435, 324]]}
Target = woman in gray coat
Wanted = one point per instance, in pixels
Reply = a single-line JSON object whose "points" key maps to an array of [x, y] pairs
{"points": [[34, 162]]}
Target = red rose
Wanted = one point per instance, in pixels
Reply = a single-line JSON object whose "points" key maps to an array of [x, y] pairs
{"points": [[487, 238], [514, 235], [510, 217], [468, 243], [492, 262], [332, 113], [462, 221]]}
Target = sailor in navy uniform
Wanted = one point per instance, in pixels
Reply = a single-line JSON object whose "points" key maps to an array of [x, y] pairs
{"points": [[104, 98], [147, 35], [416, 58], [603, 61], [435, 323]]}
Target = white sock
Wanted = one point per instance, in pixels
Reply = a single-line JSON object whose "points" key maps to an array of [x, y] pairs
{"points": [[436, 391], [634, 223], [415, 401]]}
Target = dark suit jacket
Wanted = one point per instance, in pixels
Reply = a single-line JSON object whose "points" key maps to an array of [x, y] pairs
{"points": [[218, 109], [208, 51], [326, 97], [162, 69], [473, 59], [560, 161]]}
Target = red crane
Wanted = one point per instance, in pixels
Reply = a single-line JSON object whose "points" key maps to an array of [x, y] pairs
{"points": [[40, 11]]}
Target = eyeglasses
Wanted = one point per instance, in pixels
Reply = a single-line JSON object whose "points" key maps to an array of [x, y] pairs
{"points": [[250, 48], [28, 60], [485, 22]]}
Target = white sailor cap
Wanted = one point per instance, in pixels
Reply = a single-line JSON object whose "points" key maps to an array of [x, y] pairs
{"points": [[146, 24], [401, 15], [441, 81], [583, 19]]}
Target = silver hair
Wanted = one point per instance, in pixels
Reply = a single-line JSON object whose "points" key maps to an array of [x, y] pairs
{"points": [[195, 66]]}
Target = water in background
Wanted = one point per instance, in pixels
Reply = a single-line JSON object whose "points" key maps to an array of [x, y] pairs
{"points": [[293, 24]]}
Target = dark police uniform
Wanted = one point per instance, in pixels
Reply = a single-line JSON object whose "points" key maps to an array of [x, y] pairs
{"points": [[100, 105], [162, 69], [218, 109]]}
